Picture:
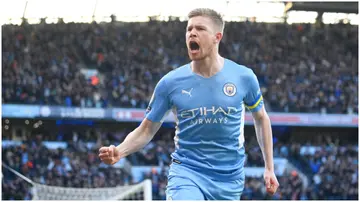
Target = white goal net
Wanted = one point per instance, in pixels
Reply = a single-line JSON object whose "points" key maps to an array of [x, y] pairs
{"points": [[141, 191]]}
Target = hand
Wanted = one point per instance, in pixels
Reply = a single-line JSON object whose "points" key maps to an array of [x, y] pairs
{"points": [[109, 155], [271, 182]]}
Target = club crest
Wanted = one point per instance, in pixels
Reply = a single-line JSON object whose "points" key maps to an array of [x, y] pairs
{"points": [[229, 89]]}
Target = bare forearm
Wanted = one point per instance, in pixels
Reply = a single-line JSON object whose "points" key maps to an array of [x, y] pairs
{"points": [[264, 137], [134, 141]]}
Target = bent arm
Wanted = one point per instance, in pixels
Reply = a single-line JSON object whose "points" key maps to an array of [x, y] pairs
{"points": [[138, 138], [264, 136]]}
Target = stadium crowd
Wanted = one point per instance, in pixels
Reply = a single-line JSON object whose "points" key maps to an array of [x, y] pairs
{"points": [[331, 164], [301, 68], [333, 167]]}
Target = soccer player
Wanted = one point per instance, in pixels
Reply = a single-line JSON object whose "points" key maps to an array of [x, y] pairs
{"points": [[207, 97]]}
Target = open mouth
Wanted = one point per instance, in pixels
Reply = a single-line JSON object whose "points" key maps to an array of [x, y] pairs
{"points": [[194, 46]]}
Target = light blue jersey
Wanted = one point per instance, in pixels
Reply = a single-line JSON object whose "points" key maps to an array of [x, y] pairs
{"points": [[210, 115]]}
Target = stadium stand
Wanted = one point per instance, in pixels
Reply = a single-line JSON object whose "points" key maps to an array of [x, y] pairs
{"points": [[307, 73], [42, 63], [53, 158]]}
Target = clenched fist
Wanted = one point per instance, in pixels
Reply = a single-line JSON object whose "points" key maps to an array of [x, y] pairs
{"points": [[271, 182], [109, 155]]}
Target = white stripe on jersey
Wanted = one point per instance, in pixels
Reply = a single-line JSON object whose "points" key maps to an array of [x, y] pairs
{"points": [[177, 131], [242, 122]]}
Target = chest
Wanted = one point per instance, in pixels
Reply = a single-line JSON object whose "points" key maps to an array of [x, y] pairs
{"points": [[223, 93]]}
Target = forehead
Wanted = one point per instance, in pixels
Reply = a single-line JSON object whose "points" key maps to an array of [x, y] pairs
{"points": [[200, 20]]}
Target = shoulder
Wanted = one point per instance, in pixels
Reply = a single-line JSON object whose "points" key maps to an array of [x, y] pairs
{"points": [[240, 70], [176, 74]]}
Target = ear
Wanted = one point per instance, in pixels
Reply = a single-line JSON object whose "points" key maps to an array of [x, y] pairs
{"points": [[218, 37]]}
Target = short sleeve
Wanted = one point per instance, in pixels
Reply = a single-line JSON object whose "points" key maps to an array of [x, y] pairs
{"points": [[253, 99], [159, 104]]}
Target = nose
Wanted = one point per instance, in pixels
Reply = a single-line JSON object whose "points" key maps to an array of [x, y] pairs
{"points": [[193, 33]]}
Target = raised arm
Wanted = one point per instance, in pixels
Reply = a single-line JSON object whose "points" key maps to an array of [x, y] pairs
{"points": [[158, 108], [133, 142]]}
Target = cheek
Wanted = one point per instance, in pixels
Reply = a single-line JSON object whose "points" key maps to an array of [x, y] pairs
{"points": [[187, 37], [213, 40], [208, 43]]}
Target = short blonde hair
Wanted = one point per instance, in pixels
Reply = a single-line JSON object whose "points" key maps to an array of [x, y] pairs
{"points": [[210, 13]]}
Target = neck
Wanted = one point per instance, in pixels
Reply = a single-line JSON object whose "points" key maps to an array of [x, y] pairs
{"points": [[209, 66]]}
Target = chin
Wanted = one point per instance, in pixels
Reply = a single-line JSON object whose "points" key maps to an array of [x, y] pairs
{"points": [[195, 57]]}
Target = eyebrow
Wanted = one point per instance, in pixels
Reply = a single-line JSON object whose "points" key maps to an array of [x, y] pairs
{"points": [[196, 26]]}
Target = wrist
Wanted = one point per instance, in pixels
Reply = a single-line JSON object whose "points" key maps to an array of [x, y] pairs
{"points": [[120, 151], [269, 168]]}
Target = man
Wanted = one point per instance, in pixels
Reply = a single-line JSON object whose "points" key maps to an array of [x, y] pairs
{"points": [[207, 97]]}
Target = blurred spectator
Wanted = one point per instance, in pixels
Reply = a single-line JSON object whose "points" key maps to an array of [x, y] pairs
{"points": [[301, 68], [335, 175]]}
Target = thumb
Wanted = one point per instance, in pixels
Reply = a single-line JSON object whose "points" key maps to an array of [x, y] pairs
{"points": [[111, 150]]}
